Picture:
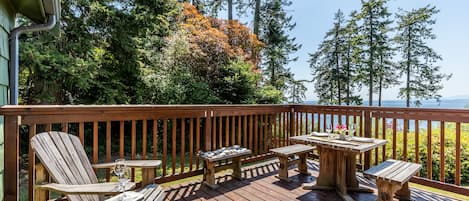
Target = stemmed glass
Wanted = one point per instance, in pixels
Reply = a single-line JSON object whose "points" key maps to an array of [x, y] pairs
{"points": [[351, 130], [120, 169], [329, 131]]}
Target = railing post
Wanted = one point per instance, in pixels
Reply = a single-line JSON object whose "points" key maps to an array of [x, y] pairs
{"points": [[292, 122], [208, 130], [11, 140], [367, 117]]}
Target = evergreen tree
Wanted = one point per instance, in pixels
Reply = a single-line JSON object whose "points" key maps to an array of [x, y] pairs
{"points": [[297, 91], [350, 59], [423, 79], [374, 18], [333, 63], [274, 27]]}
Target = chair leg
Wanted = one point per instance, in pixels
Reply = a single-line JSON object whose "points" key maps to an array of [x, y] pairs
{"points": [[148, 176], [386, 190], [404, 193], [236, 168], [283, 171], [302, 167]]}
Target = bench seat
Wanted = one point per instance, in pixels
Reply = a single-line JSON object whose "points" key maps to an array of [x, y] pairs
{"points": [[285, 153], [392, 177]]}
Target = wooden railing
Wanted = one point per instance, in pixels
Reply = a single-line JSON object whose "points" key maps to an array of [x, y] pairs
{"points": [[174, 134]]}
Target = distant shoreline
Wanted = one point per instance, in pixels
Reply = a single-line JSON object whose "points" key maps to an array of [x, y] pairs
{"points": [[444, 103]]}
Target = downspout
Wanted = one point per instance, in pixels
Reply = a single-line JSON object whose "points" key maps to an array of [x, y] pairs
{"points": [[14, 47]]}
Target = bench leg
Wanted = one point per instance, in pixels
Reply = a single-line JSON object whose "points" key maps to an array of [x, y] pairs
{"points": [[283, 171], [237, 168], [404, 193], [209, 175], [386, 190], [302, 167], [148, 176]]}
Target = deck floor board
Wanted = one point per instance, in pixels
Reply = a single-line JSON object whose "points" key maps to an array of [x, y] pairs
{"points": [[261, 184]]}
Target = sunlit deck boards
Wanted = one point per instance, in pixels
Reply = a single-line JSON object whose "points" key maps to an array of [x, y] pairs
{"points": [[260, 184]]}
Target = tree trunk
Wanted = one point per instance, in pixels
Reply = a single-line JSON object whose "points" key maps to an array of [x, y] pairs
{"points": [[380, 89], [257, 17], [230, 9], [408, 69], [337, 62], [370, 61], [348, 75]]}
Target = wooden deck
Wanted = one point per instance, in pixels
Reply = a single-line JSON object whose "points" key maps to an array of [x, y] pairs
{"points": [[260, 184]]}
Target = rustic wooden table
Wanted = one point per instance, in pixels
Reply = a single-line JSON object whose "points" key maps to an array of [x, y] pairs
{"points": [[337, 162]]}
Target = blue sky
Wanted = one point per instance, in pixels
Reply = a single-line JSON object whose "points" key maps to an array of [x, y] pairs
{"points": [[315, 17]]}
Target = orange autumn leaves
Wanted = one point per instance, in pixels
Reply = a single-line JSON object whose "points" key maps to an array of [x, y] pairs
{"points": [[216, 42]]}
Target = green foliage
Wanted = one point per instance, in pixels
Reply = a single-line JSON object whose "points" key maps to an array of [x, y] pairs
{"points": [[449, 153], [274, 27]]}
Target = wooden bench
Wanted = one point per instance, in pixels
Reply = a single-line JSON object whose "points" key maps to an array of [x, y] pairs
{"points": [[284, 154], [211, 157], [392, 177]]}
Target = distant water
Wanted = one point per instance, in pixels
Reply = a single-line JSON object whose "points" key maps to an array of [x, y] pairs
{"points": [[444, 103]]}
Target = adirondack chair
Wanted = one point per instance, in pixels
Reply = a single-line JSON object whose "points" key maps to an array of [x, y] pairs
{"points": [[64, 158]]}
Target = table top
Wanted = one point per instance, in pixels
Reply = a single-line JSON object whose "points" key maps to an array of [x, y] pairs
{"points": [[352, 146]]}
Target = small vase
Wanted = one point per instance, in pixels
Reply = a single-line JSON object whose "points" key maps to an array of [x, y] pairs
{"points": [[342, 135]]}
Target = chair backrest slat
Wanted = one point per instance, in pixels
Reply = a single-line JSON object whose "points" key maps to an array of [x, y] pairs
{"points": [[65, 159]]}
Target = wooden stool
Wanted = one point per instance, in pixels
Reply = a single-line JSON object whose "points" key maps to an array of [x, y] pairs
{"points": [[392, 177], [284, 153]]}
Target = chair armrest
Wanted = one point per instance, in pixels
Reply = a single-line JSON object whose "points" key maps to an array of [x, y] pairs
{"points": [[99, 188], [131, 164]]}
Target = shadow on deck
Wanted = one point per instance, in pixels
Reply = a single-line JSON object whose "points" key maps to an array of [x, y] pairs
{"points": [[260, 184]]}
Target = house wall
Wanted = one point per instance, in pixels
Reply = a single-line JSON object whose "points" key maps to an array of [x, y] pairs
{"points": [[7, 16]]}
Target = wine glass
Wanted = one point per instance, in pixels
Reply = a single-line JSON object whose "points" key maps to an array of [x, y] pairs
{"points": [[351, 129], [329, 131], [119, 170]]}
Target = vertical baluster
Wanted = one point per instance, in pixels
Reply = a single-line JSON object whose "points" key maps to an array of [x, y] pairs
{"points": [[173, 145], [121, 139], [165, 146], [442, 151], [81, 132], [256, 128], [191, 142], [95, 142], [404, 150], [144, 139], [383, 156], [394, 130], [417, 157], [275, 133], [245, 131], [250, 131], [376, 136], [227, 131], [197, 141], [220, 132], [429, 149], [155, 138], [133, 146], [233, 127], [108, 148], [239, 131], [214, 133], [300, 132], [307, 123], [266, 133], [319, 122], [183, 144], [32, 165], [457, 174]]}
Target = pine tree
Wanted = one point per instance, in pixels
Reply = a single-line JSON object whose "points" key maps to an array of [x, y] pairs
{"points": [[423, 79], [333, 63], [374, 18], [350, 54], [274, 27], [297, 91]]}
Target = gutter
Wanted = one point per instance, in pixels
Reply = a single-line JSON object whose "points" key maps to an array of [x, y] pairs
{"points": [[14, 47]]}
